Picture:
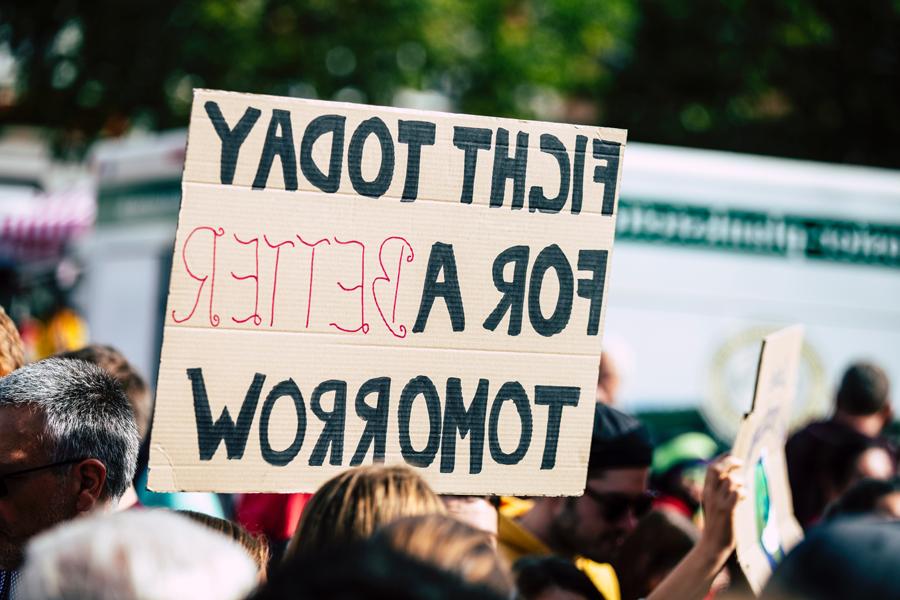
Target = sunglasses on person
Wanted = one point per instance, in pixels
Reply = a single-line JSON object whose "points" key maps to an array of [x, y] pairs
{"points": [[4, 490], [615, 505]]}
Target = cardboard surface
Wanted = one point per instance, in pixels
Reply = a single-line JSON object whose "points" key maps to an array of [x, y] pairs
{"points": [[355, 283], [765, 527]]}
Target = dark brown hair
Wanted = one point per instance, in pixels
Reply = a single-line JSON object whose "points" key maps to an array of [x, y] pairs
{"points": [[864, 389]]}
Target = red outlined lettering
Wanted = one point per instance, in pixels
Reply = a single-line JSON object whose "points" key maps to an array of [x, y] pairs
{"points": [[213, 318], [277, 248], [364, 327], [257, 320], [312, 268], [409, 258]]}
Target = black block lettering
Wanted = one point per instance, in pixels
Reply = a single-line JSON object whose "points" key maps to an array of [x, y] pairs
{"points": [[536, 198], [333, 431], [231, 138], [509, 167], [578, 173], [513, 291], [376, 418], [607, 175], [467, 422], [281, 144], [210, 434], [470, 140], [419, 386], [555, 398], [282, 457], [551, 257], [441, 259], [416, 134], [592, 289], [378, 186], [318, 127], [511, 390]]}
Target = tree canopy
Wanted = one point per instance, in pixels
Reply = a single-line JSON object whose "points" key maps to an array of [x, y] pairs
{"points": [[816, 79]]}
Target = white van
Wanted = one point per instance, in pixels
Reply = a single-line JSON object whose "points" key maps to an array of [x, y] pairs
{"points": [[713, 250]]}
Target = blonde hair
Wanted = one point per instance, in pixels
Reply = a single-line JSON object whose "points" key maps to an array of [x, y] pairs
{"points": [[450, 545], [12, 353], [354, 504]]}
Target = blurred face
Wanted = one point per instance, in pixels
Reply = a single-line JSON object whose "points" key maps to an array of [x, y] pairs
{"points": [[476, 511], [875, 463], [595, 525], [692, 480], [34, 501], [889, 506], [607, 381]]}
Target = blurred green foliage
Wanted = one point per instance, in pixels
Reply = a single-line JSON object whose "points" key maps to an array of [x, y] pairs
{"points": [[816, 79]]}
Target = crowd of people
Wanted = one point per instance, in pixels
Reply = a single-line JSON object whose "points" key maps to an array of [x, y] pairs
{"points": [[76, 520]]}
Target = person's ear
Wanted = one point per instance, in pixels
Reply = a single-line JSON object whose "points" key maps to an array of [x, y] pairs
{"points": [[888, 414], [90, 475]]}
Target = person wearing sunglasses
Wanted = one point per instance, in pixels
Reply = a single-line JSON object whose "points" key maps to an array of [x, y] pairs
{"points": [[589, 529], [68, 446]]}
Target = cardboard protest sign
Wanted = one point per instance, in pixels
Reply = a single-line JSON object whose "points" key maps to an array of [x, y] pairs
{"points": [[354, 284], [765, 527]]}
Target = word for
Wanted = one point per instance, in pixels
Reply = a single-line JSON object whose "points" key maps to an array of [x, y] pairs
{"points": [[417, 136], [447, 421]]}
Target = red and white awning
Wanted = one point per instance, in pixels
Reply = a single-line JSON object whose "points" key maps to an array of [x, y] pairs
{"points": [[37, 225]]}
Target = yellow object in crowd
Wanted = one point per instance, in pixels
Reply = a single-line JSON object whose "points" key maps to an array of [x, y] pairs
{"points": [[515, 542]]}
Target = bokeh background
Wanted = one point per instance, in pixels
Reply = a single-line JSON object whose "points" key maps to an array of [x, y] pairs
{"points": [[815, 79], [95, 96]]}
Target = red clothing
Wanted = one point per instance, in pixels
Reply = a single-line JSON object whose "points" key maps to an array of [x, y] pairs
{"points": [[674, 504], [275, 515]]}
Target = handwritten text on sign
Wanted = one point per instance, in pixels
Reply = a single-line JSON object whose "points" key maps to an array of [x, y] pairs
{"points": [[353, 283]]}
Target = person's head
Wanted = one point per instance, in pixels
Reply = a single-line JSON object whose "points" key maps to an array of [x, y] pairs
{"points": [[679, 466], [855, 459], [449, 545], [607, 380], [595, 524], [135, 555], [135, 387], [256, 546], [657, 544], [352, 505], [865, 393], [12, 352], [552, 578], [366, 570], [846, 558], [478, 511], [68, 445], [875, 497]]}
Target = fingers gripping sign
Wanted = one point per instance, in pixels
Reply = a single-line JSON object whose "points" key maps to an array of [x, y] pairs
{"points": [[723, 492], [723, 489]]}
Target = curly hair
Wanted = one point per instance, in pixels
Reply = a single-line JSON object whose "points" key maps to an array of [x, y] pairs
{"points": [[12, 353]]}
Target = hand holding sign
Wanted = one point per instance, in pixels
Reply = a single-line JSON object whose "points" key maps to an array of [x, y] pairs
{"points": [[765, 524], [692, 577], [723, 488]]}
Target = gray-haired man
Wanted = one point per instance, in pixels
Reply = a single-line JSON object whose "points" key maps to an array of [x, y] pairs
{"points": [[68, 446]]}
